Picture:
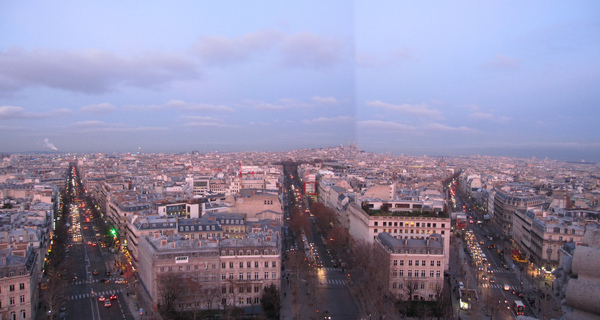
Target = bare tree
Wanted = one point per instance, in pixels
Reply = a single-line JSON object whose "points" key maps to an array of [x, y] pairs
{"points": [[54, 294], [170, 290]]}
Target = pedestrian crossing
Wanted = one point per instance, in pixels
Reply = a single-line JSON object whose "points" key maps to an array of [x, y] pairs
{"points": [[495, 286], [80, 282], [95, 294], [339, 282], [333, 269]]}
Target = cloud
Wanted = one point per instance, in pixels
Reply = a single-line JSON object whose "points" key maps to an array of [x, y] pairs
{"points": [[340, 119], [49, 144], [310, 50], [184, 106], [501, 62], [433, 126], [281, 104], [325, 100], [384, 125], [100, 126], [88, 71], [419, 110], [13, 112], [489, 117], [221, 50], [208, 124], [99, 108], [293, 50]]}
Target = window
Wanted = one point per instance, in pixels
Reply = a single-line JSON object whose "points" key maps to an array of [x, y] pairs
{"points": [[241, 276], [401, 273], [22, 298], [394, 273], [231, 265], [223, 276], [443, 225], [437, 274], [432, 263], [422, 285], [248, 300], [431, 273], [266, 264], [12, 301], [241, 264], [223, 265], [256, 263], [401, 262], [256, 289], [248, 264], [274, 275], [249, 276], [410, 262], [256, 301], [21, 286], [423, 263], [395, 262], [375, 230], [416, 262], [231, 275], [274, 264], [12, 288], [223, 289], [256, 276], [266, 275], [422, 273], [416, 273], [394, 285], [376, 224], [439, 263], [409, 273]]}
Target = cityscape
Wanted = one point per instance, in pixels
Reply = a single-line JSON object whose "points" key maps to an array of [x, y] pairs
{"points": [[299, 160], [334, 233]]}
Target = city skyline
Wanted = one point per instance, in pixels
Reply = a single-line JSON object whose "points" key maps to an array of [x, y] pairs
{"points": [[500, 79]]}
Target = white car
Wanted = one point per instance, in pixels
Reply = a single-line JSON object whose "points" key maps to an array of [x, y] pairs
{"points": [[506, 287]]}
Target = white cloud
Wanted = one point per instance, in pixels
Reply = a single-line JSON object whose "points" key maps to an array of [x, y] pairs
{"points": [[293, 50], [184, 106], [14, 112], [384, 125], [88, 71], [489, 117], [340, 119], [99, 108], [419, 110], [325, 100], [433, 126]]}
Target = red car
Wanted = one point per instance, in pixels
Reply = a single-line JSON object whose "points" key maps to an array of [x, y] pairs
{"points": [[113, 297], [101, 298]]}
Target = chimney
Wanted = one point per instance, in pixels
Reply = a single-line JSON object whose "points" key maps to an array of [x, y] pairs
{"points": [[163, 242], [4, 259]]}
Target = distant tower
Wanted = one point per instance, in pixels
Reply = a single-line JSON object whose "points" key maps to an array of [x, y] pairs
{"points": [[139, 150]]}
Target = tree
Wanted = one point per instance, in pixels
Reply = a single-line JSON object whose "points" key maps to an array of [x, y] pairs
{"points": [[169, 290], [271, 302], [54, 294], [338, 240]]}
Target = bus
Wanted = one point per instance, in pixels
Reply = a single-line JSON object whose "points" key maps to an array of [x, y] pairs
{"points": [[519, 307]]}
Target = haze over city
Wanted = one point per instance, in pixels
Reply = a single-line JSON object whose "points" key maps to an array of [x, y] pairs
{"points": [[508, 78]]}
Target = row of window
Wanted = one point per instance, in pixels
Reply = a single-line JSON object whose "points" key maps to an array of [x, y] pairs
{"points": [[432, 263], [412, 231], [11, 288], [13, 315], [249, 276], [410, 224], [241, 289], [248, 252], [419, 285], [400, 273], [11, 300], [249, 264]]}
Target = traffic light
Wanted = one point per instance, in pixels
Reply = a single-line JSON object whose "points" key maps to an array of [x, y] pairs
{"points": [[113, 231]]}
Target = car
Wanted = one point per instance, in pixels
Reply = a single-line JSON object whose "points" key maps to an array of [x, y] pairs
{"points": [[492, 280], [482, 242], [94, 244], [101, 298], [113, 297], [95, 272], [107, 303], [107, 273], [490, 270], [506, 287], [484, 278], [120, 281], [506, 267], [104, 280]]}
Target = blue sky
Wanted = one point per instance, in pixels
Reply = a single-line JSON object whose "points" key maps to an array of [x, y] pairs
{"points": [[408, 77]]}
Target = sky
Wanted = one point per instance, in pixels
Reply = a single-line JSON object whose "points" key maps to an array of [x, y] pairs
{"points": [[502, 78]]}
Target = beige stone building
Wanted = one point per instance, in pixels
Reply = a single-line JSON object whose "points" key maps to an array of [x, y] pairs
{"points": [[18, 284], [416, 266], [225, 272]]}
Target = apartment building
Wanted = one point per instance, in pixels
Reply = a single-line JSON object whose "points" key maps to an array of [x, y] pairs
{"points": [[400, 225], [19, 273], [416, 266], [506, 203], [231, 272]]}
